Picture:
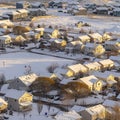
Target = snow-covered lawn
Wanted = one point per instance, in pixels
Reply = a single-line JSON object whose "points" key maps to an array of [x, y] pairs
{"points": [[13, 64]]}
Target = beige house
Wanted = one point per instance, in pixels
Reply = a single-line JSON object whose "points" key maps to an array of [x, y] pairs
{"points": [[6, 23], [17, 39], [3, 105], [6, 39], [106, 76], [112, 46], [51, 33], [92, 82], [19, 100], [23, 82], [93, 49], [57, 43], [96, 37], [94, 113], [74, 47], [106, 64], [106, 37], [23, 13], [71, 115], [84, 38], [93, 66], [39, 30], [76, 69]]}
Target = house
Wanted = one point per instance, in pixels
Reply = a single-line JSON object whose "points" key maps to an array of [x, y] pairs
{"points": [[95, 66], [102, 10], [96, 37], [106, 76], [71, 115], [29, 35], [18, 39], [22, 5], [63, 5], [5, 40], [84, 38], [23, 13], [57, 43], [92, 82], [19, 30], [106, 64], [81, 11], [112, 46], [74, 47], [36, 12], [111, 103], [6, 23], [51, 33], [39, 30], [93, 49], [73, 70], [116, 12], [23, 82], [19, 100], [36, 5], [3, 105], [118, 97], [106, 37], [94, 113], [14, 15]]}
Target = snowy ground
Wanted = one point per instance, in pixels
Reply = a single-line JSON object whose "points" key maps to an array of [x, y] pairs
{"points": [[12, 64]]}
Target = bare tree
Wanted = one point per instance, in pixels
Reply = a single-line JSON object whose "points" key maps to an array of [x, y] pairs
{"points": [[52, 68]]}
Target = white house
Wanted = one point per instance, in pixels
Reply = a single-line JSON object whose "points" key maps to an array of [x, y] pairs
{"points": [[76, 69], [106, 76], [92, 82], [96, 37], [112, 45], [71, 115], [93, 113], [84, 38], [106, 64], [23, 82]]}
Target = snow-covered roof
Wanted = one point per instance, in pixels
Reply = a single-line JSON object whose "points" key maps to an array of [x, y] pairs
{"points": [[12, 13], [95, 109], [118, 97], [111, 42], [95, 35], [77, 108], [90, 45], [84, 37], [6, 22], [2, 101], [39, 29], [115, 58], [106, 62], [102, 8], [4, 37], [28, 79], [31, 33], [77, 68], [93, 65], [74, 43], [111, 103], [49, 30], [15, 94], [22, 11], [116, 10], [107, 73], [71, 115], [89, 80]]}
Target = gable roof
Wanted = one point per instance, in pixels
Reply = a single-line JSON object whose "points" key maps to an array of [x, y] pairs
{"points": [[15, 94], [28, 79], [71, 115], [89, 80], [77, 68], [95, 109], [93, 65], [106, 61], [111, 103]]}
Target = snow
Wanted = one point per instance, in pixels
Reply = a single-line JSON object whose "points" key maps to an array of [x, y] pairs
{"points": [[12, 64], [15, 94]]}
